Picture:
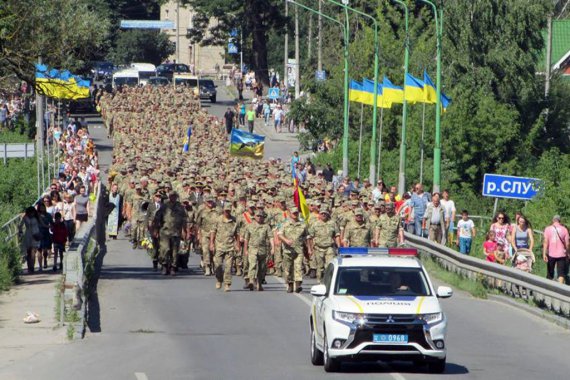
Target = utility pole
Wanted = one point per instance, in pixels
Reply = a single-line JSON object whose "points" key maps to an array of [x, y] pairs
{"points": [[39, 136], [548, 70], [286, 45], [177, 31], [297, 63], [320, 39], [310, 39]]}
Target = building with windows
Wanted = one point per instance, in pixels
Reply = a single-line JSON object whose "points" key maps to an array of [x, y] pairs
{"points": [[204, 59]]}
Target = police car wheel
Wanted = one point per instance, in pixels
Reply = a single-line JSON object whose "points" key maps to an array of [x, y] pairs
{"points": [[316, 354], [437, 366], [331, 365]]}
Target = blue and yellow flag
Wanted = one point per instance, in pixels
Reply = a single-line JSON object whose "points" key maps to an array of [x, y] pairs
{"points": [[414, 89], [380, 100], [187, 140], [430, 93], [60, 84], [356, 93], [392, 93], [245, 144]]}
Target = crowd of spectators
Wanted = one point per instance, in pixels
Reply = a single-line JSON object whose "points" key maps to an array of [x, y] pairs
{"points": [[50, 224]]}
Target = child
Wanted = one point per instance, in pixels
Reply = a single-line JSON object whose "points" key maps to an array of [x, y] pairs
{"points": [[465, 233], [490, 247], [59, 231]]}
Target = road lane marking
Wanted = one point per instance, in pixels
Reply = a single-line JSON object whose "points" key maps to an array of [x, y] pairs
{"points": [[141, 376]]}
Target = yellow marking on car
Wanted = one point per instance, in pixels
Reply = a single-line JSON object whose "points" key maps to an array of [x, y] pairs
{"points": [[420, 304], [360, 309]]}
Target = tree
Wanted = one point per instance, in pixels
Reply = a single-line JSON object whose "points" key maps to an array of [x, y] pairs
{"points": [[141, 46], [64, 33], [254, 18]]}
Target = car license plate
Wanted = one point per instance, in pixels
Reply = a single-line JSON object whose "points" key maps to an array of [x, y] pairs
{"points": [[390, 338]]}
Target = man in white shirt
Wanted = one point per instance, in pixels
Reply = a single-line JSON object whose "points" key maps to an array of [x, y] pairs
{"points": [[449, 212]]}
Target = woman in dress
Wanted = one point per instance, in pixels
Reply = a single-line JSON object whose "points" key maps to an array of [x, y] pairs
{"points": [[113, 219], [30, 237], [502, 228], [46, 221]]}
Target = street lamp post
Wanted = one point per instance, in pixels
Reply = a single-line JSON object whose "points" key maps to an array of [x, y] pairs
{"points": [[346, 37], [437, 147], [403, 144], [375, 100]]}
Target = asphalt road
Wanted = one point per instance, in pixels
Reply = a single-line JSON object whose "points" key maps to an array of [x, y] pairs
{"points": [[148, 326]]}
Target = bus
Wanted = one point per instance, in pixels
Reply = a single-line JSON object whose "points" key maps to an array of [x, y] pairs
{"points": [[127, 77], [145, 70]]}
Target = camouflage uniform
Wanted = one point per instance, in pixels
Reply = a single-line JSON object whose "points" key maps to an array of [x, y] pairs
{"points": [[225, 233], [358, 235], [258, 237], [205, 221], [296, 231], [171, 219], [323, 236], [389, 227]]}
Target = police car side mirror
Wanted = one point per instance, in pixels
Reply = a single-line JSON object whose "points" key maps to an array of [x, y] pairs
{"points": [[318, 290], [444, 292]]}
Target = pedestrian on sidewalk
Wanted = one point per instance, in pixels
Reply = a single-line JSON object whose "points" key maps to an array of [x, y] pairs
{"points": [[465, 233], [250, 119], [266, 112], [278, 118], [30, 238], [241, 114], [240, 89], [229, 118], [555, 249], [59, 238]]}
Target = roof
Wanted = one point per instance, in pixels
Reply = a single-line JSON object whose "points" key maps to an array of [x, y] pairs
{"points": [[560, 43], [379, 261]]}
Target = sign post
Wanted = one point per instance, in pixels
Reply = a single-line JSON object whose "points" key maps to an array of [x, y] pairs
{"points": [[273, 93]]}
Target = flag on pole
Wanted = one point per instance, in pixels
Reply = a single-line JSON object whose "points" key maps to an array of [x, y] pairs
{"points": [[356, 92], [391, 92], [300, 201], [414, 89], [61, 84], [430, 93], [187, 139], [245, 144]]}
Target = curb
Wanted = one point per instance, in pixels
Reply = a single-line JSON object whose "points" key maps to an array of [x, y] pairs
{"points": [[534, 310]]}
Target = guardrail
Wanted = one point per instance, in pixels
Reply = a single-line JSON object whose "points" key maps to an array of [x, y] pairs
{"points": [[72, 292], [545, 293]]}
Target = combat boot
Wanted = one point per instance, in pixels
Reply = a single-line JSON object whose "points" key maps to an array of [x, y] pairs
{"points": [[259, 287], [227, 288], [218, 285], [173, 270], [207, 271], [165, 270], [239, 272], [246, 284], [290, 287], [155, 265], [298, 288], [313, 273]]}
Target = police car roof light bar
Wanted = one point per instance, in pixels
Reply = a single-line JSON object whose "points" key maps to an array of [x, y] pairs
{"points": [[363, 251]]}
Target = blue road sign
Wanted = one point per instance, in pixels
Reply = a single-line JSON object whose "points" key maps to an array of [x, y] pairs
{"points": [[273, 93], [505, 186], [147, 24], [232, 48], [321, 75], [233, 32]]}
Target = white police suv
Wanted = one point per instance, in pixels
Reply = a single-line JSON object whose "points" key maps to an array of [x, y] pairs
{"points": [[377, 304]]}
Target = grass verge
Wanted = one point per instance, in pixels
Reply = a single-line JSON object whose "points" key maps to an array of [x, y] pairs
{"points": [[473, 287]]}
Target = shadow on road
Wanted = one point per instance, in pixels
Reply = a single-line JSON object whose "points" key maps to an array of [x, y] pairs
{"points": [[399, 367]]}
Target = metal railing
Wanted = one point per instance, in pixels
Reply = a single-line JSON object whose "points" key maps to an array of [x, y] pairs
{"points": [[516, 283]]}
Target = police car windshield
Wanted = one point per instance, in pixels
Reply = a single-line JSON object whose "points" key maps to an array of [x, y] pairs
{"points": [[381, 282]]}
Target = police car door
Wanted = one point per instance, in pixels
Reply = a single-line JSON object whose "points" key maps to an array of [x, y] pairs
{"points": [[321, 301]]}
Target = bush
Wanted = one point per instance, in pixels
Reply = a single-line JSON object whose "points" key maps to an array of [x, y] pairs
{"points": [[10, 263]]}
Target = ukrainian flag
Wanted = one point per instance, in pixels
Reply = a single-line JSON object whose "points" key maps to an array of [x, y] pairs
{"points": [[414, 89], [430, 93], [186, 147], [381, 102], [60, 84], [356, 93], [392, 93], [369, 91], [245, 144]]}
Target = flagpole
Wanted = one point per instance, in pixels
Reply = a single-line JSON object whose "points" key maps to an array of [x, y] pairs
{"points": [[378, 166], [422, 144], [360, 138]]}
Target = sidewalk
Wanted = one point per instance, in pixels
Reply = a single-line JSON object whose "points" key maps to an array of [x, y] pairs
{"points": [[20, 341]]}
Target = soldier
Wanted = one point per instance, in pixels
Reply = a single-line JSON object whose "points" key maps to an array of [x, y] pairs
{"points": [[153, 208], [169, 226], [258, 238], [205, 221], [358, 233], [138, 212], [224, 242], [293, 235], [243, 220], [389, 231], [324, 236], [280, 216]]}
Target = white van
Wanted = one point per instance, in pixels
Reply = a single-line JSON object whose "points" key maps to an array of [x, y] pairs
{"points": [[145, 70], [126, 77]]}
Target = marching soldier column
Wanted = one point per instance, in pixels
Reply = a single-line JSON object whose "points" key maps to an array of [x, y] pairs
{"points": [[183, 193]]}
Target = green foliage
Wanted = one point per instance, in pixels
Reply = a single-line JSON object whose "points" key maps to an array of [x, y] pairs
{"points": [[136, 45], [499, 120], [65, 33], [10, 263], [17, 184]]}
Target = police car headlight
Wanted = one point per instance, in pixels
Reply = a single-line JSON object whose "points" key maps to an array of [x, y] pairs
{"points": [[354, 318], [431, 318]]}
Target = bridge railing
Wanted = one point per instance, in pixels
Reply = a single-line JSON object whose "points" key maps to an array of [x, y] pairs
{"points": [[545, 293]]}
